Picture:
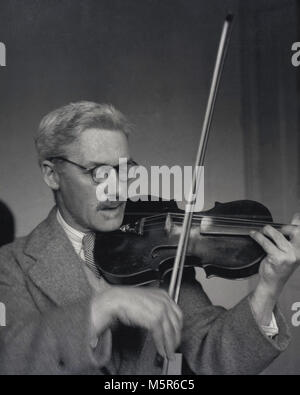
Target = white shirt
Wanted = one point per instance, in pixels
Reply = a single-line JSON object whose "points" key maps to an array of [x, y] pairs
{"points": [[76, 238]]}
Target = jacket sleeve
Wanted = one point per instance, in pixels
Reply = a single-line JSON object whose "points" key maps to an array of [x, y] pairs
{"points": [[57, 342], [217, 341]]}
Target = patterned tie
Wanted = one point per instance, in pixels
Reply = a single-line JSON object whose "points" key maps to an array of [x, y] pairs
{"points": [[88, 243]]}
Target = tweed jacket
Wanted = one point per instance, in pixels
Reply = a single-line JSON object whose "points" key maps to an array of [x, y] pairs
{"points": [[48, 299]]}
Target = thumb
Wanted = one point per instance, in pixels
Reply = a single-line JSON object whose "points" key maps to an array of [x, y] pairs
{"points": [[296, 219]]}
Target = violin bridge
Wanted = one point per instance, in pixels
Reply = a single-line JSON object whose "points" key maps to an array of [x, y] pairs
{"points": [[141, 227], [169, 224]]}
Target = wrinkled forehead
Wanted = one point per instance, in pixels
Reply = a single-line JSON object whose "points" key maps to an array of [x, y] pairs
{"points": [[101, 146]]}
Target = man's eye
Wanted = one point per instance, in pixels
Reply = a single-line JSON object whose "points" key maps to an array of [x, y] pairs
{"points": [[101, 179], [102, 173]]}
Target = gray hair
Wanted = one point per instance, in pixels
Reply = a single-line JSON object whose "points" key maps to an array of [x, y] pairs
{"points": [[62, 127]]}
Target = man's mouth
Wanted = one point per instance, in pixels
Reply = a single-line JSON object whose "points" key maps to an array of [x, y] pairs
{"points": [[110, 206]]}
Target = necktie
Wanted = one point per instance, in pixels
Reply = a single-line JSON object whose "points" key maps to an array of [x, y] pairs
{"points": [[88, 248]]}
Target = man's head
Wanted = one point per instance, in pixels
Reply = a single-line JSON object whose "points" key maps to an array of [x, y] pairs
{"points": [[88, 134]]}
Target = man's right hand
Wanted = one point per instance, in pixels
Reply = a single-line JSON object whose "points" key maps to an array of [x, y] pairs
{"points": [[148, 308]]}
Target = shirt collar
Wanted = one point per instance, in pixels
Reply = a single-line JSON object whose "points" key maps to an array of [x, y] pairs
{"points": [[74, 235]]}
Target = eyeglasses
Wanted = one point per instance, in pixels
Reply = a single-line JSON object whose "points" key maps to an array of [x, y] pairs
{"points": [[99, 173]]}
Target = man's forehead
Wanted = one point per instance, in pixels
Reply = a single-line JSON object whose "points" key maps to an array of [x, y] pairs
{"points": [[102, 145]]}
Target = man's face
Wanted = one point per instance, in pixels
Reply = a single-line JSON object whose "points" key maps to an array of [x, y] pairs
{"points": [[77, 191]]}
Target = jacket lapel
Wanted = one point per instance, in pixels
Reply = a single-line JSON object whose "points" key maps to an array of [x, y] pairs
{"points": [[57, 270]]}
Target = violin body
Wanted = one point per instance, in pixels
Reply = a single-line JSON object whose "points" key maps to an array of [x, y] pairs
{"points": [[143, 250]]}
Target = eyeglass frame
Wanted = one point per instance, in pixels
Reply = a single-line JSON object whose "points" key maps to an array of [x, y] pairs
{"points": [[90, 170]]}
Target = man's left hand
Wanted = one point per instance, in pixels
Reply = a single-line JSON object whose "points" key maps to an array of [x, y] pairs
{"points": [[283, 254]]}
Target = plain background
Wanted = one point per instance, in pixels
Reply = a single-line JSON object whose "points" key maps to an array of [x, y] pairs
{"points": [[153, 59]]}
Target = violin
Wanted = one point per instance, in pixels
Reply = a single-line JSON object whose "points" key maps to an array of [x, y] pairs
{"points": [[144, 249]]}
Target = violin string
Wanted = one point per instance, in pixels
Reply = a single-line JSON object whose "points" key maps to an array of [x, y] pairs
{"points": [[224, 223], [220, 224], [158, 227], [182, 215], [227, 220], [217, 226], [238, 231]]}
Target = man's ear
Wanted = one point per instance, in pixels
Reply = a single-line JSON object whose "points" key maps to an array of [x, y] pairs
{"points": [[51, 177]]}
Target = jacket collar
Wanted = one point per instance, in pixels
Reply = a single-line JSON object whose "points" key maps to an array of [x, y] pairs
{"points": [[57, 269]]}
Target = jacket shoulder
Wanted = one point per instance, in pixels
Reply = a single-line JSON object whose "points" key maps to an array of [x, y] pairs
{"points": [[11, 262], [12, 251], [17, 250], [9, 250]]}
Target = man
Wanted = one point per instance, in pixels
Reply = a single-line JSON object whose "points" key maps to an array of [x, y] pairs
{"points": [[62, 316]]}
